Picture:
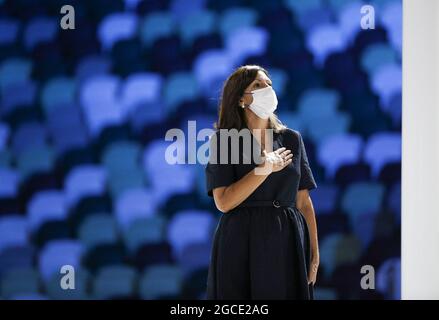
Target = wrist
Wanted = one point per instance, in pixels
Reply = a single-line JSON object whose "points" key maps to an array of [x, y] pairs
{"points": [[264, 169]]}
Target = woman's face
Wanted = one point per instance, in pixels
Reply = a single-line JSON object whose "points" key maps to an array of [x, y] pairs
{"points": [[260, 82]]}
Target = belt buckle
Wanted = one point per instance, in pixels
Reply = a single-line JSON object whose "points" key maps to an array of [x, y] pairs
{"points": [[276, 204]]}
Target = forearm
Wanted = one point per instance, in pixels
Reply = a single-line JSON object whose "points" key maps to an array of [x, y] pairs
{"points": [[309, 214], [237, 192]]}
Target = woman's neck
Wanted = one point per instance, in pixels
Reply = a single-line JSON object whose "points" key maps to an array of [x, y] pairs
{"points": [[254, 122]]}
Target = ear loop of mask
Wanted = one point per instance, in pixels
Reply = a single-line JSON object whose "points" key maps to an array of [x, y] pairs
{"points": [[243, 104]]}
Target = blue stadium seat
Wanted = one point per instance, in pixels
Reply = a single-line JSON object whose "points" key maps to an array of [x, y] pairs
{"points": [[292, 120], [236, 18], [391, 18], [66, 127], [39, 30], [382, 148], [16, 257], [9, 29], [85, 180], [121, 160], [301, 7], [156, 25], [56, 254], [131, 5], [115, 282], [329, 125], [324, 294], [338, 5], [120, 156], [187, 227], [362, 197], [98, 229], [91, 66], [28, 135], [181, 9], [246, 42], [18, 95], [161, 281], [100, 103], [196, 24], [134, 204], [348, 20], [394, 109], [178, 88], [5, 158], [58, 91], [339, 150], [46, 206], [280, 80], [339, 249], [117, 27], [10, 182], [4, 135], [165, 178], [13, 71], [317, 102], [313, 18], [195, 256], [144, 231], [13, 231], [140, 89], [376, 56], [389, 279], [387, 81], [211, 68], [363, 226], [324, 40], [23, 281], [325, 198], [80, 292], [36, 159], [118, 183]]}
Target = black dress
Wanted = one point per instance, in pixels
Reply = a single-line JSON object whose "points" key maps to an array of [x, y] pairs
{"points": [[261, 248]]}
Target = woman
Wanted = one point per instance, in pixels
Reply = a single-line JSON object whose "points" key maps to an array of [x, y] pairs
{"points": [[265, 244]]}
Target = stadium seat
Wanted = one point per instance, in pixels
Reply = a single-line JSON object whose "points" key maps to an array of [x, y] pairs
{"points": [[160, 281], [115, 282], [189, 227], [339, 150]]}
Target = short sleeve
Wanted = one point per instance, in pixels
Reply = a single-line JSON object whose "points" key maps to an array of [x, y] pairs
{"points": [[306, 178], [218, 173]]}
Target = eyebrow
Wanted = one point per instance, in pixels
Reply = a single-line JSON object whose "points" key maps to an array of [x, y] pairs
{"points": [[269, 81]]}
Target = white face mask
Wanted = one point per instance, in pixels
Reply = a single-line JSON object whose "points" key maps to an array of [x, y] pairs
{"points": [[264, 102]]}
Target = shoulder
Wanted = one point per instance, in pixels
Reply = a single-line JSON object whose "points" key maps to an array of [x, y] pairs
{"points": [[292, 135]]}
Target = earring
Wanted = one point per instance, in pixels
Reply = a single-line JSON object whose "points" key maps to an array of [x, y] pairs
{"points": [[243, 106]]}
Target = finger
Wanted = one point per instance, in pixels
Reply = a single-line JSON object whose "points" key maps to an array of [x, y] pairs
{"points": [[265, 152], [287, 162], [290, 156], [279, 150], [285, 153]]}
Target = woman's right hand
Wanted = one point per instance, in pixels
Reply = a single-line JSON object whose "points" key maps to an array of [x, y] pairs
{"points": [[276, 160]]}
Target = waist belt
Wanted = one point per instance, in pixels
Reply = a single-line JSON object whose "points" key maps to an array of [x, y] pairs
{"points": [[268, 203]]}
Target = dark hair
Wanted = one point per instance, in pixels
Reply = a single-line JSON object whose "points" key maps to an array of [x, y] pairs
{"points": [[231, 114]]}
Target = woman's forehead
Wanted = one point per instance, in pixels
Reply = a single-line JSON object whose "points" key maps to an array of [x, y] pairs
{"points": [[261, 76]]}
